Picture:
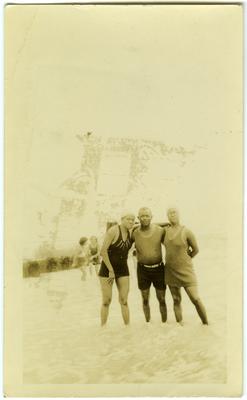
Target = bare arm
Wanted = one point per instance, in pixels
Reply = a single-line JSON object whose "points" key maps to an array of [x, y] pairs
{"points": [[163, 224], [132, 234], [163, 236], [109, 238], [135, 226], [193, 247]]}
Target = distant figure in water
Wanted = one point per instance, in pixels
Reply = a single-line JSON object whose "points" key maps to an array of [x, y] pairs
{"points": [[148, 239], [94, 254], [181, 247], [114, 252], [81, 257]]}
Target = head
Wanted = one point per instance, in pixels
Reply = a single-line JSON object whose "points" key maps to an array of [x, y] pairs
{"points": [[82, 241], [127, 219], [173, 215], [145, 216], [93, 240]]}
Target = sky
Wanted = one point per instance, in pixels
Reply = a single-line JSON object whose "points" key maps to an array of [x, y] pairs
{"points": [[168, 73], [165, 72]]}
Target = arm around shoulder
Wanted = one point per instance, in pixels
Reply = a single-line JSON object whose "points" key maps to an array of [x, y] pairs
{"points": [[163, 224], [163, 235]]}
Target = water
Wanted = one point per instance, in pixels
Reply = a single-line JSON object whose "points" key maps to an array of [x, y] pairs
{"points": [[64, 343]]}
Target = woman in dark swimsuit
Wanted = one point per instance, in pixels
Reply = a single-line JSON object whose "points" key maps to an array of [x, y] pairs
{"points": [[114, 265]]}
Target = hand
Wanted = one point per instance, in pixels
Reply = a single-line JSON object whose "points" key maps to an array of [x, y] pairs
{"points": [[190, 253], [111, 277], [135, 226]]}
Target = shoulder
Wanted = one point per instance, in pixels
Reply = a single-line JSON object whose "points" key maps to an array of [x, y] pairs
{"points": [[188, 233], [159, 229], [135, 231], [113, 230], [187, 230], [82, 250], [112, 234]]}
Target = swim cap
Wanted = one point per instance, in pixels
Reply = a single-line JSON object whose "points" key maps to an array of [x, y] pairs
{"points": [[126, 213]]}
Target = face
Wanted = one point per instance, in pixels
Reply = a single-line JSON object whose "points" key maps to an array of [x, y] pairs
{"points": [[128, 221], [93, 239], [145, 217], [173, 216]]}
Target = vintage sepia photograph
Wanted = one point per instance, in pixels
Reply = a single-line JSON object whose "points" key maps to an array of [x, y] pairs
{"points": [[123, 200]]}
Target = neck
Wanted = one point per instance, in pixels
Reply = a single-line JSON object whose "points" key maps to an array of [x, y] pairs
{"points": [[123, 228], [175, 224], [145, 228]]}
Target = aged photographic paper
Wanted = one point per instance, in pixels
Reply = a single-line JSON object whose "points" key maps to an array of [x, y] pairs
{"points": [[109, 109]]}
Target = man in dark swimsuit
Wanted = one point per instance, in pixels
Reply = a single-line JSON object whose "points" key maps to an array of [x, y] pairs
{"points": [[114, 265], [150, 268]]}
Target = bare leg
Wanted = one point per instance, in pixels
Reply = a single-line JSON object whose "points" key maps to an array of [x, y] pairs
{"points": [[145, 303], [160, 294], [83, 273], [194, 297], [176, 295], [134, 262], [123, 291], [106, 289], [96, 268]]}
